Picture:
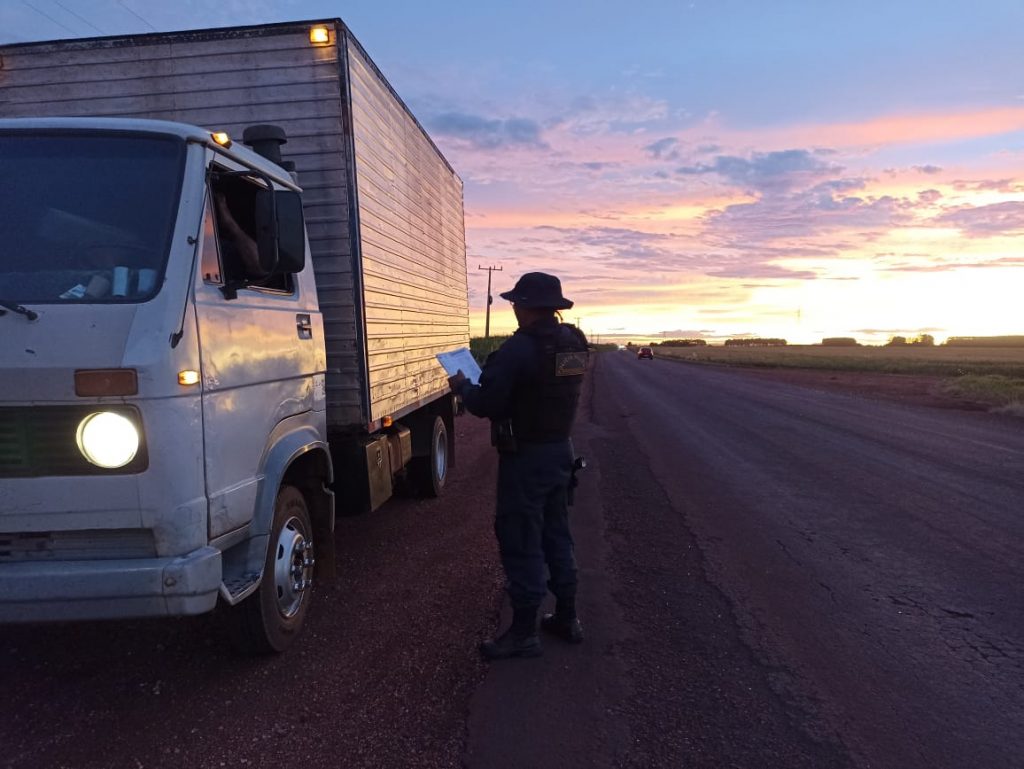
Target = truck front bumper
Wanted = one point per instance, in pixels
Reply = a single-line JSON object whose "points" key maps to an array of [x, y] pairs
{"points": [[41, 591]]}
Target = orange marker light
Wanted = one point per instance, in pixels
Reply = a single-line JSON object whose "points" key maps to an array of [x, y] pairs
{"points": [[387, 422], [221, 138], [319, 35], [97, 383], [188, 378]]}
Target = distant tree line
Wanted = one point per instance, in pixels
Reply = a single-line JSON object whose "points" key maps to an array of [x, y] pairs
{"points": [[985, 341], [755, 342], [921, 340], [839, 341], [683, 343]]}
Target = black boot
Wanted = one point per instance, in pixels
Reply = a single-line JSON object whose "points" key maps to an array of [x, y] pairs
{"points": [[520, 640], [564, 623]]}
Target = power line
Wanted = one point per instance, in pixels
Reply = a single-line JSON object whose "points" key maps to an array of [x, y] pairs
{"points": [[133, 13], [44, 14], [80, 18]]}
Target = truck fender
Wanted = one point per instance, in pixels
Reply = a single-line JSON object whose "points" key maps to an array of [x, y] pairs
{"points": [[291, 451], [280, 457]]}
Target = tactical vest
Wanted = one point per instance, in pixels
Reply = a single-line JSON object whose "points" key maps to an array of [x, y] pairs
{"points": [[544, 408]]}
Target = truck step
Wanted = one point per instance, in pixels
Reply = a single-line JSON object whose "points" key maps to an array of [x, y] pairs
{"points": [[241, 586]]}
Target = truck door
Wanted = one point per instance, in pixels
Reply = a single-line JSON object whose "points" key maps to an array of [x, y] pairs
{"points": [[257, 352]]}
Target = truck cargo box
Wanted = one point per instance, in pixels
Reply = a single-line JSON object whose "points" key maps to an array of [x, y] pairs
{"points": [[383, 207]]}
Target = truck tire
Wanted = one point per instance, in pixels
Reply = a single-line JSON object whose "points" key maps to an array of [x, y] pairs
{"points": [[429, 473], [269, 620]]}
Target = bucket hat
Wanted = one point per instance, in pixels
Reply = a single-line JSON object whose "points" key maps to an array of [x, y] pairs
{"points": [[538, 290]]}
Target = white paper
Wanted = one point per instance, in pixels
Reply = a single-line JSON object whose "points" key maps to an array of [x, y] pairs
{"points": [[460, 360], [76, 292]]}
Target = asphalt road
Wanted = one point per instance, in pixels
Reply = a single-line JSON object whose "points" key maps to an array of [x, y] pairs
{"points": [[771, 577], [868, 555]]}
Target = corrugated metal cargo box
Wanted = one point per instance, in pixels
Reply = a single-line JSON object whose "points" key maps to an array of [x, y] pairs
{"points": [[383, 207]]}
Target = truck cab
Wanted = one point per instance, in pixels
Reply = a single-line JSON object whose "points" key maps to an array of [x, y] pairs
{"points": [[163, 439]]}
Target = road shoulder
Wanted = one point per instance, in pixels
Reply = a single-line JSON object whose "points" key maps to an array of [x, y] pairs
{"points": [[560, 710]]}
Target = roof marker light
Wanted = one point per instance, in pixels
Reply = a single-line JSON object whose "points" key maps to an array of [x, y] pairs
{"points": [[221, 138], [319, 35]]}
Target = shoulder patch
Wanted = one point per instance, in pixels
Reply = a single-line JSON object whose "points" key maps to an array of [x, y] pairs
{"points": [[570, 363]]}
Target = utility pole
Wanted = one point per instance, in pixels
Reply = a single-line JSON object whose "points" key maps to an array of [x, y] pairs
{"points": [[490, 299]]}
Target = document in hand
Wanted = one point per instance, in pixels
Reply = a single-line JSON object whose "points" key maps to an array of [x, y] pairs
{"points": [[460, 360]]}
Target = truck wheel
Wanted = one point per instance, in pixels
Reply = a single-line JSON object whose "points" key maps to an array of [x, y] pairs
{"points": [[430, 472], [269, 620]]}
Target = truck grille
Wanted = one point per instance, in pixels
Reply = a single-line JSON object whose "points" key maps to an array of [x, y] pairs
{"points": [[77, 545], [37, 441]]}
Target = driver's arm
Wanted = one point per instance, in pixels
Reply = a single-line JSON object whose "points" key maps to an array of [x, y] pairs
{"points": [[248, 252]]}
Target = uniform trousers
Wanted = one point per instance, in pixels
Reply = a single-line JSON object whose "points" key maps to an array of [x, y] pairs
{"points": [[532, 522]]}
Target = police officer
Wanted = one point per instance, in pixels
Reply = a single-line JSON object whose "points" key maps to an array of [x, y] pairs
{"points": [[529, 389]]}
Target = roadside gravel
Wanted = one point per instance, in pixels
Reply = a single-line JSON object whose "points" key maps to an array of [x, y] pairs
{"points": [[381, 678]]}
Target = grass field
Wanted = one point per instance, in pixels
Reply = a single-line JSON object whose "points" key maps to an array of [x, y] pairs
{"points": [[482, 347], [992, 375], [939, 361], [1002, 393]]}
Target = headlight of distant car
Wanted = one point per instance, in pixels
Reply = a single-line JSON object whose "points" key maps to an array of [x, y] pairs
{"points": [[108, 440]]}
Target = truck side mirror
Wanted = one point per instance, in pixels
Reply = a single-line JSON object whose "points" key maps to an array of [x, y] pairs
{"points": [[266, 232], [282, 232], [291, 232]]}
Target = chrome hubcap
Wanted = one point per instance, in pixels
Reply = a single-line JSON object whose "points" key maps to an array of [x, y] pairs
{"points": [[293, 566], [441, 456]]}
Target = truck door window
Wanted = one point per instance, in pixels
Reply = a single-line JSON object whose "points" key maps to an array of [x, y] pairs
{"points": [[233, 207], [210, 257]]}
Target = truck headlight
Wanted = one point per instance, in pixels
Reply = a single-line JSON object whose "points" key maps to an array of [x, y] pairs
{"points": [[108, 440]]}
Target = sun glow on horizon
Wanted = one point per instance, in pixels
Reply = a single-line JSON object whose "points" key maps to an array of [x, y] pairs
{"points": [[869, 305], [892, 224]]}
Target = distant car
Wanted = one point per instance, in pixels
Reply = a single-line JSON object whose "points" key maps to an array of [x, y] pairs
{"points": [[645, 352]]}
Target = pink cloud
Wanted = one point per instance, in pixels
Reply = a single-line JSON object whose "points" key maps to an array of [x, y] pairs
{"points": [[902, 129], [986, 221]]}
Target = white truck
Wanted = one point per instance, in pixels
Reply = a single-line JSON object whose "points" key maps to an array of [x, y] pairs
{"points": [[202, 351]]}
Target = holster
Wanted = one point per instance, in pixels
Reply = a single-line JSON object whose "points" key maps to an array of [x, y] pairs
{"points": [[579, 463], [502, 437]]}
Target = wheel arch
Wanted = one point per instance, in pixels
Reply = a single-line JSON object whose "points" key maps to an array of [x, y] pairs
{"points": [[312, 473], [300, 458], [421, 424]]}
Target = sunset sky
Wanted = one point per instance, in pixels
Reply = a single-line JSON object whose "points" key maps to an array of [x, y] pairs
{"points": [[701, 169]]}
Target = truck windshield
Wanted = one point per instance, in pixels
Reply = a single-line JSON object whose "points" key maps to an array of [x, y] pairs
{"points": [[86, 217]]}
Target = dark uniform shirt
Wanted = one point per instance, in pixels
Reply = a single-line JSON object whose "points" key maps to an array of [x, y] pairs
{"points": [[515, 373]]}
